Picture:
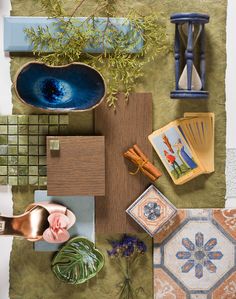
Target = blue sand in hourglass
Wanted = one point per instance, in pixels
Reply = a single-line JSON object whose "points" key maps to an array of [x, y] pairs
{"points": [[70, 87]]}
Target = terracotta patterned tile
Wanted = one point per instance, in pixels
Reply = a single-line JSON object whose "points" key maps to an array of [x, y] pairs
{"points": [[152, 210], [227, 290], [165, 287], [227, 219], [199, 254]]}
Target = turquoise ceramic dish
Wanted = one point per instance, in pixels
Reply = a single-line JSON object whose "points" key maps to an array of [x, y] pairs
{"points": [[72, 87]]}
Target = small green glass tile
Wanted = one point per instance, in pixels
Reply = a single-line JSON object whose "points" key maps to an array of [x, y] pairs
{"points": [[42, 160], [12, 150], [23, 150], [33, 180], [12, 139], [3, 170], [23, 160], [33, 119], [3, 150], [23, 180], [42, 181], [33, 150], [12, 129], [3, 160], [3, 119], [53, 119], [3, 139], [23, 170], [3, 129], [33, 170], [43, 130], [3, 180], [63, 130], [12, 119], [33, 140], [23, 140], [12, 160], [42, 170], [54, 145], [23, 119], [42, 140], [43, 119], [53, 130], [12, 170], [42, 150], [12, 180], [33, 129], [64, 119], [33, 160], [23, 129]]}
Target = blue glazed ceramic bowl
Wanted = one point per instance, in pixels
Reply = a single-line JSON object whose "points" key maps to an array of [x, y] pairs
{"points": [[72, 87]]}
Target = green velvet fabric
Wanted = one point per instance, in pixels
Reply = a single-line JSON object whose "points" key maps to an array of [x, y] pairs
{"points": [[30, 274]]}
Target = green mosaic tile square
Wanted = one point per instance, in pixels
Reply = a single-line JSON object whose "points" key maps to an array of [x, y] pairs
{"points": [[12, 170], [3, 160], [33, 180], [12, 119], [43, 119], [53, 119], [42, 181], [33, 150], [12, 160], [3, 129], [63, 130], [3, 170], [23, 150], [42, 160], [3, 180], [3, 139], [42, 150], [53, 130], [12, 139], [33, 140], [33, 119], [33, 160], [43, 170], [42, 140], [3, 150], [12, 129], [23, 160], [23, 140], [43, 130], [33, 129], [23, 129], [23, 180], [23, 119], [12, 150], [33, 170], [23, 170], [13, 180], [54, 145], [3, 119], [64, 119]]}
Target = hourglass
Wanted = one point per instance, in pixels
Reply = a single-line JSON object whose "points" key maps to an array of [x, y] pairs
{"points": [[190, 66]]}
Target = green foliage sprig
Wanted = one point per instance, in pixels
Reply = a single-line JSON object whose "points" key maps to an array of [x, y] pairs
{"points": [[119, 66]]}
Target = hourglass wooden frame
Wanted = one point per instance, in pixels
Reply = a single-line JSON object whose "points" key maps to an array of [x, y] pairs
{"points": [[187, 54]]}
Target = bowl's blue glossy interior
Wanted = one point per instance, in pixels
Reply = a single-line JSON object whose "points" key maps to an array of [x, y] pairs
{"points": [[71, 87]]}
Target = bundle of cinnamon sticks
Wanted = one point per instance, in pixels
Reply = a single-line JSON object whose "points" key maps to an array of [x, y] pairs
{"points": [[135, 155]]}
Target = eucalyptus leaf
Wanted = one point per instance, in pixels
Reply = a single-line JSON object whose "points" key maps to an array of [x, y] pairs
{"points": [[77, 261]]}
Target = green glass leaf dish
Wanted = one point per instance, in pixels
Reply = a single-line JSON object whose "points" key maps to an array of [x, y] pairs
{"points": [[77, 261]]}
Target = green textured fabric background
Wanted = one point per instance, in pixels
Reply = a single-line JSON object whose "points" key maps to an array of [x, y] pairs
{"points": [[30, 275]]}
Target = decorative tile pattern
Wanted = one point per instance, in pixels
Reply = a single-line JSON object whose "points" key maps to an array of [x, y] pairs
{"points": [[152, 210], [23, 147], [198, 257]]}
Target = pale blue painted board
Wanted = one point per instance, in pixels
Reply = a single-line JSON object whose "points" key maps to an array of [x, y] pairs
{"points": [[82, 206], [15, 39]]}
